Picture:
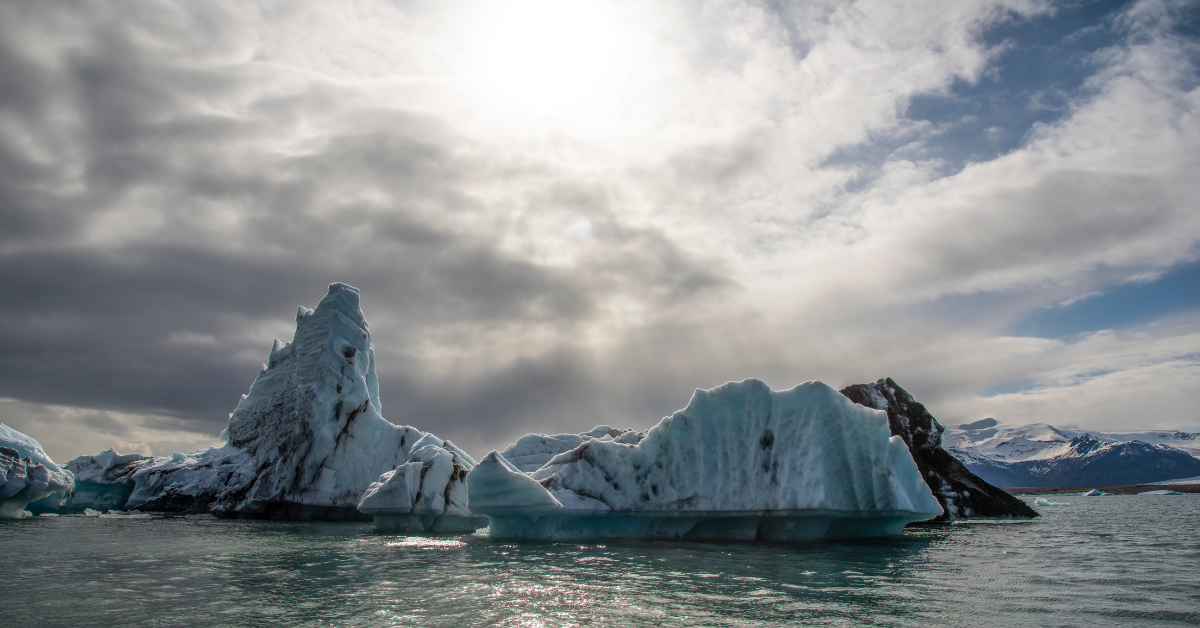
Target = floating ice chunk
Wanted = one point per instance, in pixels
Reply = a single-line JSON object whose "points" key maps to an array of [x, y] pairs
{"points": [[739, 462], [27, 474], [1042, 501], [428, 493], [1095, 493], [1162, 492]]}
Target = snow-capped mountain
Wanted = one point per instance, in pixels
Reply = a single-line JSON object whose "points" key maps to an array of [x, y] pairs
{"points": [[1039, 454]]}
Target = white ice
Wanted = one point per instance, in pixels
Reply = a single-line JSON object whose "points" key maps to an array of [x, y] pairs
{"points": [[1042, 501], [739, 462], [27, 474]]}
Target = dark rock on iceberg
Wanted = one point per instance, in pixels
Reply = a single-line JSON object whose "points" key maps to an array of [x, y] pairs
{"points": [[961, 493]]}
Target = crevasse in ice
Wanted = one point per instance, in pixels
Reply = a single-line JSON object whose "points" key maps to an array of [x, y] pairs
{"points": [[27, 474], [306, 441], [739, 462]]}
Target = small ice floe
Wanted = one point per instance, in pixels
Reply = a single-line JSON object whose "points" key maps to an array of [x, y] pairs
{"points": [[120, 514], [1042, 501], [1162, 492], [1096, 493], [88, 512]]}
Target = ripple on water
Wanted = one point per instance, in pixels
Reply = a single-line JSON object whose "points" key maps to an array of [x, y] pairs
{"points": [[1111, 562]]}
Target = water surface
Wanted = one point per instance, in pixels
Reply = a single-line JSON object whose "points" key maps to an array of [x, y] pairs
{"points": [[1093, 561]]}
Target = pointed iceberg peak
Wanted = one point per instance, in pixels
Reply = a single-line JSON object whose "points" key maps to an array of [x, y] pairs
{"points": [[307, 442], [345, 299]]}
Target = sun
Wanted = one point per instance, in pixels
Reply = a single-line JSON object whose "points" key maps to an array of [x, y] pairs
{"points": [[564, 59]]}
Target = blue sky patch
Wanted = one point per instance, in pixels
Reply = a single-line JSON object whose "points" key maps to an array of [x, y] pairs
{"points": [[1035, 77], [1123, 305]]}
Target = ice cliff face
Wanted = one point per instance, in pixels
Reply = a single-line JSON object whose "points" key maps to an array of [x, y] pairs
{"points": [[961, 493], [27, 474], [306, 442], [740, 461]]}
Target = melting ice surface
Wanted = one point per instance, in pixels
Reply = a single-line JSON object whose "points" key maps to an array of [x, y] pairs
{"points": [[739, 462]]}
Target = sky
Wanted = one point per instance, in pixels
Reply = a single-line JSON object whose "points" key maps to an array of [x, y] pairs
{"points": [[564, 213]]}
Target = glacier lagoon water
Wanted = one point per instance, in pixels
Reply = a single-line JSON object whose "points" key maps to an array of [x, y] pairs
{"points": [[1092, 561]]}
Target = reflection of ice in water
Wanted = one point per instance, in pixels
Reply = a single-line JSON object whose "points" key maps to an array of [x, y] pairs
{"points": [[426, 543], [578, 226]]}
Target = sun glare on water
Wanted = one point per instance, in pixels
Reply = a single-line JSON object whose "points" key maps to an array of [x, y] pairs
{"points": [[561, 59]]}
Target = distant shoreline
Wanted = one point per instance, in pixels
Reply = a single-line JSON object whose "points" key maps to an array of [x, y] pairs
{"points": [[1127, 489]]}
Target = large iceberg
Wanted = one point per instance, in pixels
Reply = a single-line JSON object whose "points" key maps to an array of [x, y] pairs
{"points": [[27, 474], [739, 462], [305, 443]]}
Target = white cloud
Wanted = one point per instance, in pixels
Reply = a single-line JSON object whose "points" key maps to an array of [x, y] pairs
{"points": [[679, 224]]}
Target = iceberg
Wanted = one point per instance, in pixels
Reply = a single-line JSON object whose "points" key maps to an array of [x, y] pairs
{"points": [[740, 462], [1095, 493], [27, 474], [103, 481], [306, 442]]}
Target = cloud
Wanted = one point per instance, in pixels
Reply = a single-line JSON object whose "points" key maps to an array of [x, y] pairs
{"points": [[752, 197]]}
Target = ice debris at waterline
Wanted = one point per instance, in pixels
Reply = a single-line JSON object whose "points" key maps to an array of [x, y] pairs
{"points": [[739, 462], [305, 443], [27, 474], [961, 493]]}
